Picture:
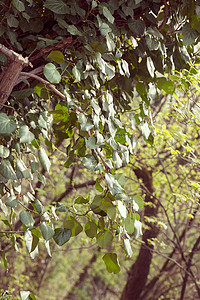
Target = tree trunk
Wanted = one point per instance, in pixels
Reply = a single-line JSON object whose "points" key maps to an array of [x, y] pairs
{"points": [[10, 74], [139, 271]]}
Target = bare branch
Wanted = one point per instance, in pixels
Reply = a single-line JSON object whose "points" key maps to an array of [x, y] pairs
{"points": [[52, 88]]}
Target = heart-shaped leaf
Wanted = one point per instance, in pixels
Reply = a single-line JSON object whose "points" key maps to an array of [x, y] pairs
{"points": [[51, 73], [62, 235]]}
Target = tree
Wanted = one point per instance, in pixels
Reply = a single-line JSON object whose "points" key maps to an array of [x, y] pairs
{"points": [[77, 79]]}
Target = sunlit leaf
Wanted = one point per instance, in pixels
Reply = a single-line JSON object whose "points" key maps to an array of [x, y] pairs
{"points": [[47, 231], [6, 170], [4, 152], [56, 56], [91, 229], [111, 262], [104, 239], [44, 159], [189, 34], [7, 124], [51, 73], [25, 135], [26, 218], [127, 247]]}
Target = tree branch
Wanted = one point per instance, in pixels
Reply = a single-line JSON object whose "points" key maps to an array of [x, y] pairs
{"points": [[166, 12], [8, 77], [188, 266], [76, 186], [52, 88]]}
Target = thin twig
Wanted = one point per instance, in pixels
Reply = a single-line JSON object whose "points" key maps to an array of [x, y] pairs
{"points": [[52, 88], [166, 12]]}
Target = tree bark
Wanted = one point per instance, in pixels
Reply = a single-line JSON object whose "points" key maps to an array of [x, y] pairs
{"points": [[11, 72], [139, 271]]}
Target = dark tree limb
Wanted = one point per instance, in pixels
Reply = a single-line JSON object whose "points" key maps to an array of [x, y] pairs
{"points": [[188, 266], [11, 72], [139, 271], [75, 187], [82, 276], [166, 12], [59, 46], [166, 267]]}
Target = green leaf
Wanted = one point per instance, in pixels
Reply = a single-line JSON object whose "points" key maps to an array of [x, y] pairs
{"points": [[74, 225], [57, 6], [138, 228], [51, 73], [39, 207], [7, 124], [111, 262], [76, 74], [4, 152], [21, 170], [145, 129], [26, 218], [111, 212], [141, 88], [3, 208], [12, 21], [12, 201], [89, 162], [122, 209], [19, 5], [25, 135], [5, 263], [150, 66], [6, 170], [117, 159], [104, 239], [44, 159], [36, 232], [94, 4], [35, 242], [125, 67], [189, 34], [28, 238], [73, 30], [138, 199], [61, 207], [23, 93], [47, 231], [91, 143], [127, 247], [34, 166], [198, 10], [62, 235], [87, 125], [91, 229], [152, 43], [113, 185], [109, 71], [24, 295], [136, 26], [95, 205], [56, 56], [81, 200], [105, 29], [167, 85], [98, 187], [129, 224], [108, 14]]}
